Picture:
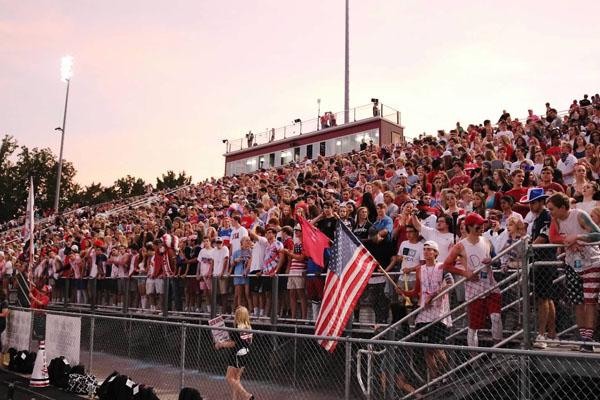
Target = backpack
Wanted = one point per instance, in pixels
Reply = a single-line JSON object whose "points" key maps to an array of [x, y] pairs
{"points": [[12, 355], [58, 372], [102, 391], [29, 363], [189, 394], [118, 387], [143, 392]]}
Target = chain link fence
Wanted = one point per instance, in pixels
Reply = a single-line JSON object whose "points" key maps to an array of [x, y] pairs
{"points": [[170, 356]]}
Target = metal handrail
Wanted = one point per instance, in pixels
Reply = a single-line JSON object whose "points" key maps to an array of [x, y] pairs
{"points": [[449, 288]]}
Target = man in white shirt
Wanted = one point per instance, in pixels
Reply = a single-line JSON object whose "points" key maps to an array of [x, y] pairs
{"points": [[567, 162], [409, 255], [440, 234], [237, 233], [257, 288], [220, 257]]}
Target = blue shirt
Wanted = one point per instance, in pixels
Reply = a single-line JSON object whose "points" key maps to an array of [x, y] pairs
{"points": [[384, 223]]}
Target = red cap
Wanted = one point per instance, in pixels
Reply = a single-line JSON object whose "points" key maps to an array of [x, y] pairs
{"points": [[475, 219]]}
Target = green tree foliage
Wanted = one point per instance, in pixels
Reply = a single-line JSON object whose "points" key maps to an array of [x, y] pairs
{"points": [[170, 180], [19, 163]]}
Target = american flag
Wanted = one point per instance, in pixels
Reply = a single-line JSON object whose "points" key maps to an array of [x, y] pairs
{"points": [[350, 268]]}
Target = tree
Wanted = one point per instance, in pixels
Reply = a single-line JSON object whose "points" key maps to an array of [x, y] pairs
{"points": [[130, 186], [170, 181]]}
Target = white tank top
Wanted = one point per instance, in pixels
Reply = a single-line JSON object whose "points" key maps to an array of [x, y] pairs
{"points": [[432, 278], [588, 255], [475, 253]]}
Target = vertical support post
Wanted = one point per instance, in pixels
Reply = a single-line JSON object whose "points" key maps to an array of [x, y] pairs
{"points": [[274, 299], [183, 342], [398, 117], [92, 329], [524, 360], [347, 66], [126, 296], [213, 297], [354, 112], [348, 365], [525, 294], [165, 305], [94, 293], [67, 292], [295, 355]]}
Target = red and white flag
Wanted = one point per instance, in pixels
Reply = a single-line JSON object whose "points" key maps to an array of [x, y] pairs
{"points": [[350, 268]]}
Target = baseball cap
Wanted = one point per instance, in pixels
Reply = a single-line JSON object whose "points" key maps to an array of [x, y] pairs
{"points": [[219, 240], [431, 245], [474, 219], [74, 248]]}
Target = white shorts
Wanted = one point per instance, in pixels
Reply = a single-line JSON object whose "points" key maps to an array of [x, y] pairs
{"points": [[155, 286]]}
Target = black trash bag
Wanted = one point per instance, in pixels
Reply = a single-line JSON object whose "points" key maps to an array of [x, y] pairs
{"points": [[12, 354], [58, 372]]}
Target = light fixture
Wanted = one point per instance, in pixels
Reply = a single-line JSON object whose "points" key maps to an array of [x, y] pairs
{"points": [[297, 120], [338, 143], [224, 140]]}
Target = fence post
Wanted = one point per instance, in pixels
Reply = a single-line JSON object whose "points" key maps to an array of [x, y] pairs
{"points": [[274, 299], [165, 304], [525, 294], [348, 365], [524, 360], [92, 328], [213, 296], [67, 292], [126, 296], [183, 340], [94, 293]]}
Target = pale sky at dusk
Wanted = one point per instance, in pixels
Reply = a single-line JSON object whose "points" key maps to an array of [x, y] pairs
{"points": [[158, 84]]}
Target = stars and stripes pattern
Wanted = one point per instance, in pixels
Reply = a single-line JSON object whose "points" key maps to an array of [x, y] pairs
{"points": [[350, 268]]}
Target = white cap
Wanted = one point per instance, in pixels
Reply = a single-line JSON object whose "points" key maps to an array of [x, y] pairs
{"points": [[74, 248], [432, 245]]}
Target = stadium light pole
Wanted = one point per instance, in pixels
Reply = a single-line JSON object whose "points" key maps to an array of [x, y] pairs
{"points": [[66, 73], [347, 68]]}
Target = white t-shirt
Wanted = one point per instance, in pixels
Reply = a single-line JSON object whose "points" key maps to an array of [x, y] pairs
{"points": [[567, 167], [236, 238], [504, 218], [258, 254], [204, 259], [412, 254], [8, 268], [445, 241], [219, 256]]}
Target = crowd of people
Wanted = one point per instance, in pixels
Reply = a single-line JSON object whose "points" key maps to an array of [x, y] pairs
{"points": [[431, 211]]}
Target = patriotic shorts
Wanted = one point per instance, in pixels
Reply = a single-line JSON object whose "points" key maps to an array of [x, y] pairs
{"points": [[583, 287]]}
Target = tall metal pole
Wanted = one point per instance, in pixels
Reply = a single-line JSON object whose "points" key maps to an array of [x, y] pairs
{"points": [[347, 68], [62, 141]]}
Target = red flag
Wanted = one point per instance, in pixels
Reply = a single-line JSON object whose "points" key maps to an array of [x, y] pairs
{"points": [[314, 242]]}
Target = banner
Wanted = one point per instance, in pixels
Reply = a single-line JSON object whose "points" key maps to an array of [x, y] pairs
{"points": [[218, 335], [18, 331], [63, 337]]}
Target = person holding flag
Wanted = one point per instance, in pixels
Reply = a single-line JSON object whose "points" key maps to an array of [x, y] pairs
{"points": [[431, 279]]}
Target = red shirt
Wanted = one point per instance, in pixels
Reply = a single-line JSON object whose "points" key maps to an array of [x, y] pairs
{"points": [[39, 296], [516, 194]]}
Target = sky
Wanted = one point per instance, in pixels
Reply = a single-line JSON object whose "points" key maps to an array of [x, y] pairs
{"points": [[157, 85]]}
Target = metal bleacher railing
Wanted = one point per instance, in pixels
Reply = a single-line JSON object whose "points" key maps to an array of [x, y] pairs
{"points": [[310, 126]]}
